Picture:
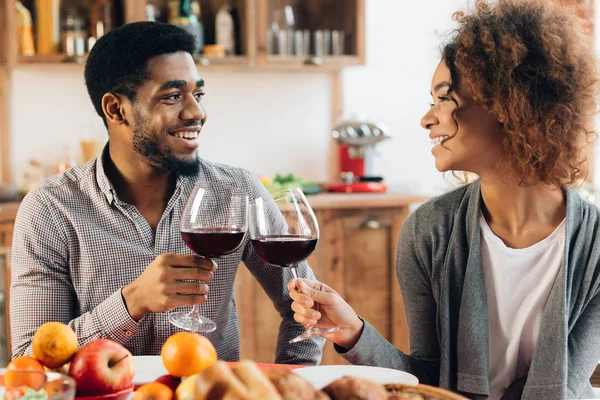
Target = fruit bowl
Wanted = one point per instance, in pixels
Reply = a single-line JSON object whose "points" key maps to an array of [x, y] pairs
{"points": [[57, 386], [120, 395]]}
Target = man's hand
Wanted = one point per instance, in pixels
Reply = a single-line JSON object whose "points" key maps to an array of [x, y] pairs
{"points": [[316, 303], [171, 280]]}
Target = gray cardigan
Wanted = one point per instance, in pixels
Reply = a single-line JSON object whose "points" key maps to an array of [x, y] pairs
{"points": [[439, 268]]}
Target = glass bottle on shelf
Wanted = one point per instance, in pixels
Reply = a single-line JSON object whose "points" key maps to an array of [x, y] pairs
{"points": [[281, 34], [24, 30], [74, 36], [47, 26], [181, 15], [224, 29], [100, 18]]}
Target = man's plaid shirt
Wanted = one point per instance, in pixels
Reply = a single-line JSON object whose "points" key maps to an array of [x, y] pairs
{"points": [[76, 245]]}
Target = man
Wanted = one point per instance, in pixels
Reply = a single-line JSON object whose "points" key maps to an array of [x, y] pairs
{"points": [[99, 246]]}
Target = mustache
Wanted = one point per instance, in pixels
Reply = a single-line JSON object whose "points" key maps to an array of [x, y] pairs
{"points": [[188, 124]]}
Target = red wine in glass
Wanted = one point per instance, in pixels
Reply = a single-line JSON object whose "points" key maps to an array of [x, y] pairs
{"points": [[213, 242], [283, 251], [213, 224], [284, 231]]}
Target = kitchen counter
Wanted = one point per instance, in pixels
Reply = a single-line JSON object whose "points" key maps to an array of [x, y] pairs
{"points": [[362, 200], [8, 211], [322, 202]]}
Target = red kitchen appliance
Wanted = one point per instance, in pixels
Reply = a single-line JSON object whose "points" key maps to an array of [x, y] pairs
{"points": [[356, 140]]}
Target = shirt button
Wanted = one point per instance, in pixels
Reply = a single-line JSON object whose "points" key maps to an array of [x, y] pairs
{"points": [[128, 333]]}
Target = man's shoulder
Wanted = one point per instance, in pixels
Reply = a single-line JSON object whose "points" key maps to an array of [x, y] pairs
{"points": [[223, 173], [68, 185]]}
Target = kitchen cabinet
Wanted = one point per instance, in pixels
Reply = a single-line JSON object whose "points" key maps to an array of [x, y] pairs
{"points": [[342, 18], [256, 18], [355, 256], [8, 212], [324, 33]]}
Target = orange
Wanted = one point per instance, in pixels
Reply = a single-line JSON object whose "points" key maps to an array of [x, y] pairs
{"points": [[187, 353], [24, 371], [54, 344], [153, 391]]}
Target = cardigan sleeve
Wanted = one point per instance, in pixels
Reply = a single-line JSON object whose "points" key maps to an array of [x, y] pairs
{"points": [[584, 350]]}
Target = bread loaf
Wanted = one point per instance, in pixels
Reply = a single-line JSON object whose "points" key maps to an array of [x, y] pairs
{"points": [[217, 382], [350, 387], [291, 386], [257, 384]]}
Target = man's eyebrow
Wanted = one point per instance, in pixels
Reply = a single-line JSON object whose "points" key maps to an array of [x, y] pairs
{"points": [[172, 85], [439, 86], [200, 83]]}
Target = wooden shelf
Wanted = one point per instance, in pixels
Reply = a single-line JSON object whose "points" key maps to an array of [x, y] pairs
{"points": [[51, 59], [312, 63], [274, 63]]}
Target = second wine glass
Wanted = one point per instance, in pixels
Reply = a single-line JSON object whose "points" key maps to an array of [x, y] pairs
{"points": [[213, 224], [284, 231]]}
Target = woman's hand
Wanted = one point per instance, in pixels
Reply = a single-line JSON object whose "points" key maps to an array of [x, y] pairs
{"points": [[315, 302]]}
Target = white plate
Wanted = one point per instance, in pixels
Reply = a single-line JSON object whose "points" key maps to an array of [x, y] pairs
{"points": [[323, 375], [147, 369]]}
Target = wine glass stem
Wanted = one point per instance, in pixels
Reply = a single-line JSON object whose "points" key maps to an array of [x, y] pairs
{"points": [[195, 311], [297, 280], [293, 267]]}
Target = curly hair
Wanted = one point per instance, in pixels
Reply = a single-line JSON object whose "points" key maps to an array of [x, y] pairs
{"points": [[531, 63]]}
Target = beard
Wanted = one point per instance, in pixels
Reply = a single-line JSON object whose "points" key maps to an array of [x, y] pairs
{"points": [[147, 146]]}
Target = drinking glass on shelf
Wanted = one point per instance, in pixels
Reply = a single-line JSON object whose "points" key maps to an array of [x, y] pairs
{"points": [[337, 42], [284, 231], [213, 224]]}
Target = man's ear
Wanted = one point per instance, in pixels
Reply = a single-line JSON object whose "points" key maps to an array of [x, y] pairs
{"points": [[114, 108]]}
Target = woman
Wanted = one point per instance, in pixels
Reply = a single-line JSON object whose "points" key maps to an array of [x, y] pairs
{"points": [[500, 277]]}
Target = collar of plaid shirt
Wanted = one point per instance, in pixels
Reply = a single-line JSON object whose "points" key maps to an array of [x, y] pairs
{"points": [[76, 245]]}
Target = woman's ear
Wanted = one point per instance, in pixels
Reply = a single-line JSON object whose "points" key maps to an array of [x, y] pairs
{"points": [[113, 108]]}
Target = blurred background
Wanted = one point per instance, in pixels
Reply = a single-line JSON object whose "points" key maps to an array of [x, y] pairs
{"points": [[268, 109], [327, 94], [275, 119]]}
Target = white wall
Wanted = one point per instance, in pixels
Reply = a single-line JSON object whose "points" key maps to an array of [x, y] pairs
{"points": [[267, 123], [276, 122], [402, 41]]}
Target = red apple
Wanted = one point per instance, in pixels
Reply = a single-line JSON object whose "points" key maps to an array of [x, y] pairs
{"points": [[102, 367], [169, 380]]}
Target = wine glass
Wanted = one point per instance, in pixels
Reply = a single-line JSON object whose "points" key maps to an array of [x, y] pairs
{"points": [[213, 224], [284, 231]]}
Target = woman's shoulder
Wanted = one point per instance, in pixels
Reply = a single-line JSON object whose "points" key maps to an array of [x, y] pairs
{"points": [[581, 211], [436, 217], [446, 205]]}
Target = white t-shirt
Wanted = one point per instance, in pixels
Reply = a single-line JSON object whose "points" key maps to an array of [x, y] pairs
{"points": [[517, 283]]}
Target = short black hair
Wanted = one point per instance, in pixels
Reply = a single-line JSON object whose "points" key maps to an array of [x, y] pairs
{"points": [[118, 62]]}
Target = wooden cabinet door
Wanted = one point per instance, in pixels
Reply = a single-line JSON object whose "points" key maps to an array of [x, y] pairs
{"points": [[364, 274], [6, 230]]}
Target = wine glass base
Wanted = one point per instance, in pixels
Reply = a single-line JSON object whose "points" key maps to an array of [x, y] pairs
{"points": [[193, 323], [312, 332]]}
